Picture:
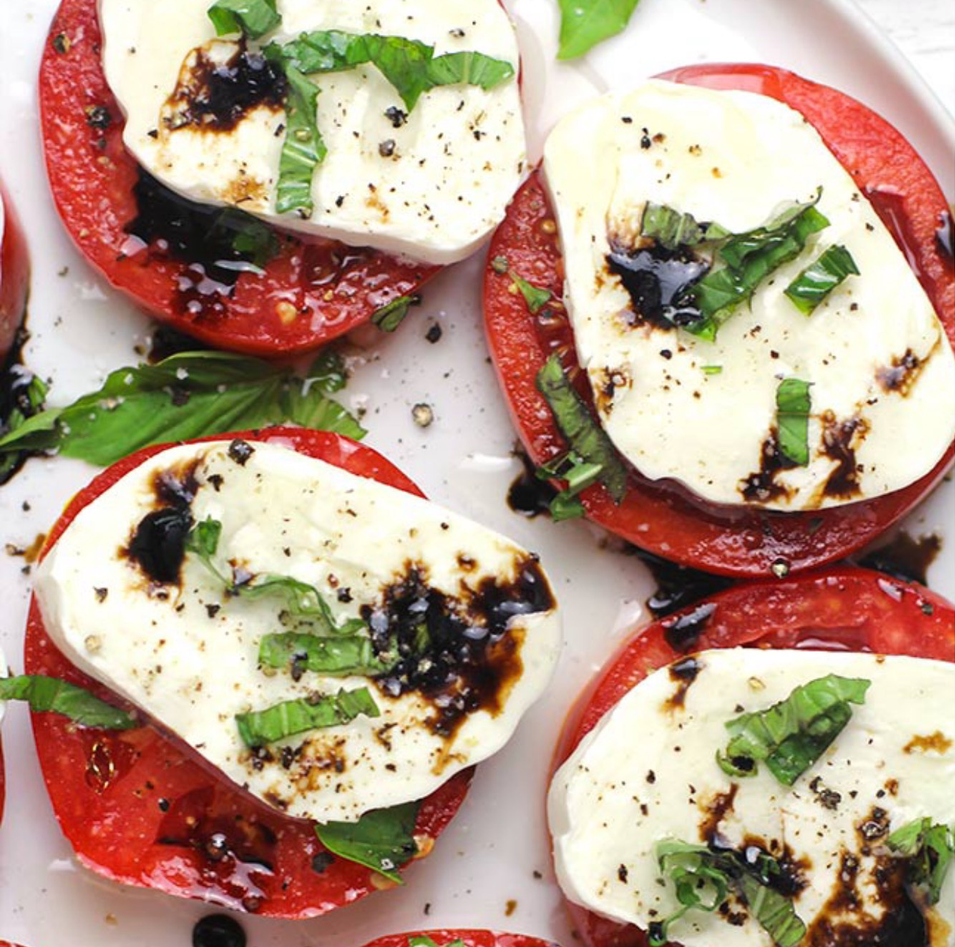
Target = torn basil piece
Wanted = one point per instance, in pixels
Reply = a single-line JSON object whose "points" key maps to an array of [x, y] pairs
{"points": [[928, 847], [333, 657], [819, 279], [672, 229], [536, 297], [790, 736], [793, 404], [303, 150], [578, 475], [263, 727], [703, 880], [51, 695], [251, 18], [382, 840], [422, 940], [586, 438], [391, 315], [469, 68]]}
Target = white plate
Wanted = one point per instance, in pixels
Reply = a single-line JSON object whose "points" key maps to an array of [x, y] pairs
{"points": [[491, 868]]}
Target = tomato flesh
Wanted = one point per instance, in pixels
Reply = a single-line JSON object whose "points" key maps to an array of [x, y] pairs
{"points": [[662, 516], [141, 808], [312, 292], [14, 276], [471, 938], [840, 609]]}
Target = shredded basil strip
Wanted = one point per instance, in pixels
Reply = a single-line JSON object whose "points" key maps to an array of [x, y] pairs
{"points": [[422, 940], [791, 735], [253, 239], [382, 839], [929, 848], [814, 283], [27, 402], [586, 438], [793, 404], [672, 230], [392, 314], [333, 657], [192, 394], [578, 474], [49, 694], [303, 150], [584, 23], [703, 880], [536, 297], [262, 727], [252, 18]]}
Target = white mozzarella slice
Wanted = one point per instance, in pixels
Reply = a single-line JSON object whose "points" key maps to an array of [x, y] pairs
{"points": [[701, 412], [648, 772], [187, 652], [432, 186]]}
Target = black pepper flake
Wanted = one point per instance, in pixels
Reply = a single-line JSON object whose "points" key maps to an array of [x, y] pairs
{"points": [[216, 480], [163, 805], [651, 777], [627, 120], [212, 610], [240, 451], [218, 930], [98, 116], [396, 116], [61, 43], [101, 594], [344, 595], [339, 200], [622, 873], [434, 333], [386, 148], [666, 353]]}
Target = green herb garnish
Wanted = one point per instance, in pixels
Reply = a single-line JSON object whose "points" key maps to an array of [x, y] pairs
{"points": [[792, 734], [303, 149], [672, 230], [578, 474], [536, 297], [815, 282], [51, 695], [929, 848], [252, 18], [391, 315], [584, 23], [382, 840], [793, 404], [28, 403], [333, 657], [422, 940], [252, 239]]}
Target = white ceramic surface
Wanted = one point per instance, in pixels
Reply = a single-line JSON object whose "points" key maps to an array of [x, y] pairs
{"points": [[491, 868]]}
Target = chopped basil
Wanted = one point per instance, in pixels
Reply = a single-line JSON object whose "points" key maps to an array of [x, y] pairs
{"points": [[536, 297], [49, 694], [793, 404], [27, 401], [422, 940], [262, 727], [333, 657], [712, 369], [382, 840], [578, 475], [704, 879], [391, 315], [815, 282], [928, 847], [252, 18], [587, 440], [303, 150], [252, 239], [328, 372], [672, 230], [584, 23], [792, 734], [500, 265], [192, 394]]}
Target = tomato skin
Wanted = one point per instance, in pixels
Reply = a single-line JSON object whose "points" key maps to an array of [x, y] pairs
{"points": [[843, 609], [14, 275], [471, 938], [125, 799], [312, 291], [662, 516]]}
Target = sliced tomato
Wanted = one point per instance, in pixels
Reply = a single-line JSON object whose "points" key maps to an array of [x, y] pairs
{"points": [[839, 610], [662, 516], [141, 809], [14, 275], [313, 291], [470, 938]]}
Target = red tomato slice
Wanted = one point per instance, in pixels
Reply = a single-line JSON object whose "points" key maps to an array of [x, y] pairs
{"points": [[663, 517], [839, 610], [312, 292], [471, 938], [139, 807], [14, 276]]}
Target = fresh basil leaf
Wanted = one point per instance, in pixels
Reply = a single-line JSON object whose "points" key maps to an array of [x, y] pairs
{"points": [[929, 848], [188, 395], [585, 437], [391, 315], [49, 694], [793, 404], [303, 150], [382, 840], [791, 735], [252, 18], [468, 68], [328, 372], [28, 399], [703, 880], [584, 23], [253, 240], [203, 538], [672, 230], [333, 657], [262, 727], [578, 475], [814, 283], [536, 297], [423, 940]]}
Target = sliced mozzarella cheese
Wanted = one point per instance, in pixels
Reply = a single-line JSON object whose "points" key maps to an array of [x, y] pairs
{"points": [[648, 772], [187, 652], [431, 185], [874, 352]]}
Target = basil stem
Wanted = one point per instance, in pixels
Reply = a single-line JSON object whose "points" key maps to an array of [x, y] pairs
{"points": [[332, 657], [814, 283], [382, 839], [584, 23], [586, 438], [49, 694], [703, 880], [793, 404], [262, 727], [929, 848], [790, 736], [252, 18]]}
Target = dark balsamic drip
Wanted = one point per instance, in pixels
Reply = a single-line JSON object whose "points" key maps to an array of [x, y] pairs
{"points": [[457, 651], [325, 263], [682, 633], [944, 233], [15, 381], [761, 487], [677, 586], [716, 811], [657, 280], [838, 444], [218, 930], [217, 96], [165, 342], [528, 494], [900, 376], [683, 674], [905, 558]]}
